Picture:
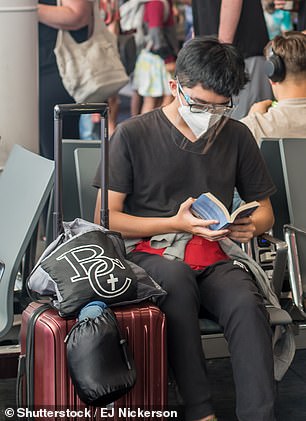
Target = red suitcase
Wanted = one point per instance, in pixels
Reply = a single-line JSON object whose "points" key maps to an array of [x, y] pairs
{"points": [[43, 379]]}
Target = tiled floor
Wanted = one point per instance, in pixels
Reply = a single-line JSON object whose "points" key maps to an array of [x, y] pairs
{"points": [[291, 391]]}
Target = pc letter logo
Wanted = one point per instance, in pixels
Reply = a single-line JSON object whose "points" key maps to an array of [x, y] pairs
{"points": [[88, 267]]}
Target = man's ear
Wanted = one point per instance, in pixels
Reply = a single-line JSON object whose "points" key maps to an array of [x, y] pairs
{"points": [[173, 87]]}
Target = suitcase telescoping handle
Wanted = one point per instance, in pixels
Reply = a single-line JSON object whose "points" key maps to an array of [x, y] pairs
{"points": [[60, 111]]}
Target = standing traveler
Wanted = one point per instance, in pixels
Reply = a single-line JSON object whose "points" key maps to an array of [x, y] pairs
{"points": [[242, 23], [73, 15]]}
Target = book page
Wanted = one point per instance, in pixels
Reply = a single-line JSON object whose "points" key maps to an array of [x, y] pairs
{"points": [[207, 208], [214, 199], [244, 210]]}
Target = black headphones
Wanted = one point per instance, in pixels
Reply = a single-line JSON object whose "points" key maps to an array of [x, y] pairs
{"points": [[275, 67]]}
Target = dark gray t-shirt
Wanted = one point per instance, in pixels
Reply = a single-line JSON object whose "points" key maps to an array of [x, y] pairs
{"points": [[157, 176]]}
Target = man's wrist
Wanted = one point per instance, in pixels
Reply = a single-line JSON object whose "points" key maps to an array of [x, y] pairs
{"points": [[173, 224]]}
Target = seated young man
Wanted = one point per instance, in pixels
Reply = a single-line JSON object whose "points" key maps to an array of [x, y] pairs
{"points": [[159, 162], [286, 118]]}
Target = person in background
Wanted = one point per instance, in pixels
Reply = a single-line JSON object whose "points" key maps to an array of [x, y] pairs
{"points": [[188, 20], [156, 61], [185, 6], [75, 16], [159, 162], [286, 117], [278, 21], [89, 123], [301, 24], [242, 23]]}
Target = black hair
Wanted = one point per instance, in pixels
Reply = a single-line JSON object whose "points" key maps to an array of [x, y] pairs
{"points": [[218, 67]]}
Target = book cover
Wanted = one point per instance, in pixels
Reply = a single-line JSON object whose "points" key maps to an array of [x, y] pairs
{"points": [[207, 206]]}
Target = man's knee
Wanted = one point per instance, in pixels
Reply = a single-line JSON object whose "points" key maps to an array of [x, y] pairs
{"points": [[179, 280], [246, 306], [241, 297]]}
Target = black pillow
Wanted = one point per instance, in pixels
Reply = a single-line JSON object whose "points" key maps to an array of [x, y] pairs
{"points": [[99, 361]]}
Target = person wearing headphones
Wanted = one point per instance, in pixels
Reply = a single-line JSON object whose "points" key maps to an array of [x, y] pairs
{"points": [[286, 69], [160, 162]]}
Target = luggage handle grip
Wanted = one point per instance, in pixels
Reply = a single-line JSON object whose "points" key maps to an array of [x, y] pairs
{"points": [[83, 108]]}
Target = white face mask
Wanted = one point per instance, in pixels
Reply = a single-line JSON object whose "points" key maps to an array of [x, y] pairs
{"points": [[199, 123]]}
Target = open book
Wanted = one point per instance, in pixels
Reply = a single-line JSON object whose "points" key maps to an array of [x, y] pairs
{"points": [[207, 206]]}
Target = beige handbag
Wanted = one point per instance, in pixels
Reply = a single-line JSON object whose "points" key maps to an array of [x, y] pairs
{"points": [[91, 71]]}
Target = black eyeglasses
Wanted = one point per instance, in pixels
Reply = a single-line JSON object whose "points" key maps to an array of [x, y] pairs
{"points": [[195, 107]]}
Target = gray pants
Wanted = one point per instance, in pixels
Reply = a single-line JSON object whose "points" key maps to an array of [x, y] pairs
{"points": [[256, 90]]}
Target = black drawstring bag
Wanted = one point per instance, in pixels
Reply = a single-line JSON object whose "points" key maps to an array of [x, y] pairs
{"points": [[88, 262], [99, 362]]}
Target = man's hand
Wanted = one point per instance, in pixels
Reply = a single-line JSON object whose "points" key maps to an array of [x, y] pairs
{"points": [[261, 107], [278, 4], [185, 221], [242, 230], [95, 118]]}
